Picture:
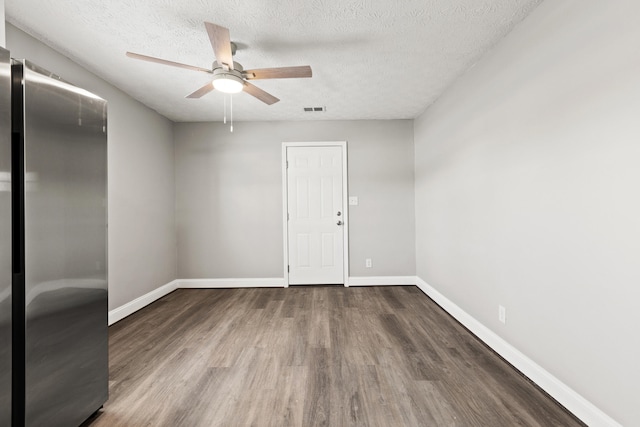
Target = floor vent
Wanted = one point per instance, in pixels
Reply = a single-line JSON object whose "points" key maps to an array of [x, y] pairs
{"points": [[314, 109]]}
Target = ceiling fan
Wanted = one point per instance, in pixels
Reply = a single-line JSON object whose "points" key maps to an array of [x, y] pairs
{"points": [[228, 75]]}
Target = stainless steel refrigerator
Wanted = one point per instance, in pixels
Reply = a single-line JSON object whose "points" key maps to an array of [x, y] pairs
{"points": [[58, 192], [5, 238]]}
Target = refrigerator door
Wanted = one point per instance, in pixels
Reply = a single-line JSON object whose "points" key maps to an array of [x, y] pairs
{"points": [[5, 238], [65, 263]]}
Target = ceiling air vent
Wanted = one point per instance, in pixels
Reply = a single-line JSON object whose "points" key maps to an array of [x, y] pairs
{"points": [[314, 109]]}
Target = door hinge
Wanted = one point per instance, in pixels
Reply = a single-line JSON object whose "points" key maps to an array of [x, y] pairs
{"points": [[287, 268], [287, 164], [287, 216]]}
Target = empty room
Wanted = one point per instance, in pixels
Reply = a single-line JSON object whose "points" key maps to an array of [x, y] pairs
{"points": [[319, 213]]}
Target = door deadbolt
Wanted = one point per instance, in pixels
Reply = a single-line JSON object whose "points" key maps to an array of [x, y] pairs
{"points": [[339, 213]]}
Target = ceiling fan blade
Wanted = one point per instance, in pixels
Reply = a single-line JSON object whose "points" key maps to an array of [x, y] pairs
{"points": [[263, 96], [201, 92], [166, 62], [278, 73], [221, 43]]}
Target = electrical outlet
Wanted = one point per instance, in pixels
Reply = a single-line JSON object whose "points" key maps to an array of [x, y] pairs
{"points": [[367, 263], [502, 314]]}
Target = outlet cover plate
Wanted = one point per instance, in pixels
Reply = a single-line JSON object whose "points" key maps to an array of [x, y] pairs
{"points": [[502, 314]]}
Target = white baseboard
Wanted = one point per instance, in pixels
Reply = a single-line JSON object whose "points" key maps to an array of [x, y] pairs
{"points": [[273, 282], [381, 280], [578, 405], [278, 282], [131, 307]]}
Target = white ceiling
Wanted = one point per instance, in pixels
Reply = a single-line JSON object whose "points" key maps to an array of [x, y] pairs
{"points": [[371, 59]]}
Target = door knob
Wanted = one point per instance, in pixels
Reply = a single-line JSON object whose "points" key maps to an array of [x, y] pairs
{"points": [[339, 222]]}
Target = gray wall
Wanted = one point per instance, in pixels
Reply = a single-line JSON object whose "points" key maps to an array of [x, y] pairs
{"points": [[229, 195], [142, 243], [527, 195]]}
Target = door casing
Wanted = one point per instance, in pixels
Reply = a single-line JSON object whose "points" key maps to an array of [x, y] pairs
{"points": [[345, 199]]}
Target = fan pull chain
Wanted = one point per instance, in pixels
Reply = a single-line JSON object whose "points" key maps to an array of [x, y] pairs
{"points": [[231, 110], [225, 109]]}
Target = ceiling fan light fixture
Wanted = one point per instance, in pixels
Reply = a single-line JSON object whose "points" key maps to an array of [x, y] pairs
{"points": [[227, 83]]}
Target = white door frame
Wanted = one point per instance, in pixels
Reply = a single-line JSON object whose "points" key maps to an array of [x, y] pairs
{"points": [[345, 205]]}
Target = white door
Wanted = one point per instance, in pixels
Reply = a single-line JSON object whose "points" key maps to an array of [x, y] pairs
{"points": [[315, 226]]}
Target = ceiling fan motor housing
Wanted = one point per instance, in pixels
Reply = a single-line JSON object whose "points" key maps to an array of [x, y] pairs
{"points": [[236, 66]]}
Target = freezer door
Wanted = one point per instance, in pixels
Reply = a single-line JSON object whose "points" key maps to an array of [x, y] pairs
{"points": [[5, 238], [65, 179]]}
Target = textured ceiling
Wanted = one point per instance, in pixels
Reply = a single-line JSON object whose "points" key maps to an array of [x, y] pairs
{"points": [[371, 59]]}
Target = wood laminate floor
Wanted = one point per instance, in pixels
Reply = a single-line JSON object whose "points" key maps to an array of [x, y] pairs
{"points": [[311, 356]]}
